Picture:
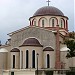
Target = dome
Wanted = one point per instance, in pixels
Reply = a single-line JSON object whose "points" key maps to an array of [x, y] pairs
{"points": [[31, 42], [48, 10], [48, 49], [15, 50]]}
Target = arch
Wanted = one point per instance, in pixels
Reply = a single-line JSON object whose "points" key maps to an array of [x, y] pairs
{"points": [[34, 22], [48, 61], [31, 41], [48, 48], [53, 21], [42, 22], [15, 57], [66, 25], [30, 23], [33, 59], [27, 58], [62, 23], [15, 50]]}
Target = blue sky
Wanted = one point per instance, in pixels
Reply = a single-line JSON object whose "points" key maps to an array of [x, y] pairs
{"points": [[15, 14]]}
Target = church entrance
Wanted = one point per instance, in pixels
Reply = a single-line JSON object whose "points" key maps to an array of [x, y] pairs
{"points": [[12, 73], [49, 72], [70, 73]]}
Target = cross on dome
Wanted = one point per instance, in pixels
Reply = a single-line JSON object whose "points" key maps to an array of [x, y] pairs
{"points": [[48, 2]]}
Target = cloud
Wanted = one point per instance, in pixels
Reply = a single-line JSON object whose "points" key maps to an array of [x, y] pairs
{"points": [[14, 14]]}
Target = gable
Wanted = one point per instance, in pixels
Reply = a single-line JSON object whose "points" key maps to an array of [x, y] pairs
{"points": [[44, 36]]}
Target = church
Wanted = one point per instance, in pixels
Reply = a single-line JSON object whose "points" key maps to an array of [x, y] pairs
{"points": [[39, 48]]}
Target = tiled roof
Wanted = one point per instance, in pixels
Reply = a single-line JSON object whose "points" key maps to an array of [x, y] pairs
{"points": [[31, 42], [48, 49], [48, 10], [15, 50]]}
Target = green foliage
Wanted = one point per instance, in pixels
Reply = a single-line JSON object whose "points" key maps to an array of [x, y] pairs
{"points": [[71, 45], [72, 35], [70, 73]]}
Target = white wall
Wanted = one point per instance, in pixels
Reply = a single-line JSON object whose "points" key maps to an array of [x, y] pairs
{"points": [[30, 49], [20, 72], [52, 59], [17, 59], [47, 20], [24, 73]]}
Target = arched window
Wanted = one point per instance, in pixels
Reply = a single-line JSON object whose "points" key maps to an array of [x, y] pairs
{"points": [[34, 23], [66, 25], [27, 54], [13, 61], [61, 23], [33, 59], [52, 22], [42, 23], [48, 61]]}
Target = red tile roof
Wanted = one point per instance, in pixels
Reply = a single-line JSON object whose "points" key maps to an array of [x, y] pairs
{"points": [[48, 10], [48, 49], [31, 42], [15, 50]]}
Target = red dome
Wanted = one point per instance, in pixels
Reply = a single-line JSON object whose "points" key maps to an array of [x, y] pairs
{"points": [[31, 42], [48, 10], [15, 50], [48, 49]]}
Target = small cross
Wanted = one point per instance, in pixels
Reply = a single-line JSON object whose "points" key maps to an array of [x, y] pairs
{"points": [[48, 2]]}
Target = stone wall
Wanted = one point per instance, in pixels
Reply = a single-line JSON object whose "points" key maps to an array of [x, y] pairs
{"points": [[45, 37]]}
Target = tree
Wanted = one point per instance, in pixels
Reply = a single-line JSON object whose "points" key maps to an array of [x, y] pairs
{"points": [[72, 35], [71, 45]]}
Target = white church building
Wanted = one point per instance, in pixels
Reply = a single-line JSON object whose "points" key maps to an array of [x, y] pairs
{"points": [[39, 48]]}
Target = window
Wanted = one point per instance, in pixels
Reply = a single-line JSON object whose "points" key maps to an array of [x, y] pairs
{"points": [[35, 23], [13, 61], [42, 23], [26, 58], [52, 22], [61, 23], [33, 59], [12, 73], [48, 61]]}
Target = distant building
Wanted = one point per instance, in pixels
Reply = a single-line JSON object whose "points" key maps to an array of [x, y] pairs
{"points": [[45, 36]]}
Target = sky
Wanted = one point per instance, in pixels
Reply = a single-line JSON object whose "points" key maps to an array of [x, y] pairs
{"points": [[15, 14]]}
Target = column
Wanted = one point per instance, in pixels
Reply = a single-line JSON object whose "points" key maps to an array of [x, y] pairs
{"points": [[57, 61]]}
